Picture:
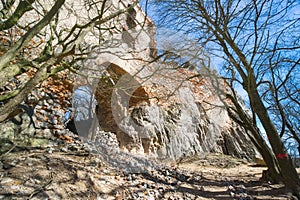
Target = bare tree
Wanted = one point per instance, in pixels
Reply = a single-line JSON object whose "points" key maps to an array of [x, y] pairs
{"points": [[282, 94], [44, 38], [259, 46]]}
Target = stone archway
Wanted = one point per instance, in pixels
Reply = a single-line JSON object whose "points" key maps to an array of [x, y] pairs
{"points": [[128, 88]]}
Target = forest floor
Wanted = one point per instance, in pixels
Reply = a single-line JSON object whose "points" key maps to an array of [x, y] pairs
{"points": [[66, 173]]}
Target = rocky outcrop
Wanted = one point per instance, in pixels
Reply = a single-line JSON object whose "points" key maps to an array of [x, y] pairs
{"points": [[152, 107], [176, 129]]}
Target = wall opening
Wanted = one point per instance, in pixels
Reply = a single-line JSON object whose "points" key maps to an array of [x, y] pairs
{"points": [[112, 78]]}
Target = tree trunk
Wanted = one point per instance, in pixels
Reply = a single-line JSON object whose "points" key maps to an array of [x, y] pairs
{"points": [[287, 169], [267, 155], [258, 141]]}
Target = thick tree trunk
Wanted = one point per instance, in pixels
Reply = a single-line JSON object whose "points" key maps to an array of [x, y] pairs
{"points": [[287, 169], [267, 155], [258, 141]]}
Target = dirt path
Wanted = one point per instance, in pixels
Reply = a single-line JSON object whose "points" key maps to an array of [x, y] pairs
{"points": [[77, 174], [231, 178]]}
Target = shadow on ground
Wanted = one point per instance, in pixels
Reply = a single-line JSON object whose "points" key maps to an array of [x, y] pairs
{"points": [[45, 174]]}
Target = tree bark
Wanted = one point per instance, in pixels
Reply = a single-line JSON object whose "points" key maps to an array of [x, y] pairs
{"points": [[22, 8], [256, 138], [24, 40], [287, 169]]}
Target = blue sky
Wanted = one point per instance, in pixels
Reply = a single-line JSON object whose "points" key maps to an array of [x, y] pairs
{"points": [[216, 63]]}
